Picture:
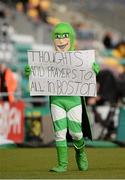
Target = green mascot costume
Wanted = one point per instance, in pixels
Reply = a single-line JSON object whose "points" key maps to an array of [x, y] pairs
{"points": [[68, 112]]}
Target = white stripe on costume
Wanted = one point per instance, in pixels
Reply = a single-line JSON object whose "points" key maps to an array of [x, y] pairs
{"points": [[61, 135], [57, 112], [75, 114], [76, 136]]}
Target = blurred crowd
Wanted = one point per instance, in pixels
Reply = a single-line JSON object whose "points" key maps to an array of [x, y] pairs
{"points": [[37, 11]]}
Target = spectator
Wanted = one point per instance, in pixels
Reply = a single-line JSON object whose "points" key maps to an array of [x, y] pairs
{"points": [[2, 13], [108, 91], [107, 41], [121, 86], [119, 51], [6, 32], [8, 83]]}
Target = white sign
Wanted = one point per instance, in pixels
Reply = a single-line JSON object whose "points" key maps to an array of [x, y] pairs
{"points": [[62, 73]]}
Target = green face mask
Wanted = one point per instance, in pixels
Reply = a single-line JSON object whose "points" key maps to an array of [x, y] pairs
{"points": [[64, 30]]}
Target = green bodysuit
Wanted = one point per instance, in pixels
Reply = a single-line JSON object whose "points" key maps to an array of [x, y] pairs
{"points": [[67, 111]]}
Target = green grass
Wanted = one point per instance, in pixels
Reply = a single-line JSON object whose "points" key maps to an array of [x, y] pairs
{"points": [[35, 163]]}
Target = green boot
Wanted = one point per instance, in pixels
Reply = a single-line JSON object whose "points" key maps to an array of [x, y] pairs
{"points": [[81, 157], [62, 160]]}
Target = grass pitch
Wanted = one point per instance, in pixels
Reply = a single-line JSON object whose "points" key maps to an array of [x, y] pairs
{"points": [[28, 163]]}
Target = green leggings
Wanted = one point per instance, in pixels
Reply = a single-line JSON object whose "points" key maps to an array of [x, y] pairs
{"points": [[66, 114]]}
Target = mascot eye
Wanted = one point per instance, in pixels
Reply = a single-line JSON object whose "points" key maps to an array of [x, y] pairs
{"points": [[57, 36], [66, 35]]}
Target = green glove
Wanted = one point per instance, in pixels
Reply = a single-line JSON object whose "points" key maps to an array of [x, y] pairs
{"points": [[96, 68], [27, 70]]}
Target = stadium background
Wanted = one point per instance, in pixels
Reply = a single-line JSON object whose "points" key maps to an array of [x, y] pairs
{"points": [[26, 25]]}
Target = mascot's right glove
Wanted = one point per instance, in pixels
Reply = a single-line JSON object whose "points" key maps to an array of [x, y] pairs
{"points": [[27, 70], [96, 68]]}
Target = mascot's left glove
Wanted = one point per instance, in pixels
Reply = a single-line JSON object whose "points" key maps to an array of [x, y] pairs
{"points": [[27, 70], [96, 68]]}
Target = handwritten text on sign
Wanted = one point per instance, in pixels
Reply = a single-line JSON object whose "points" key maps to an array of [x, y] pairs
{"points": [[62, 73]]}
